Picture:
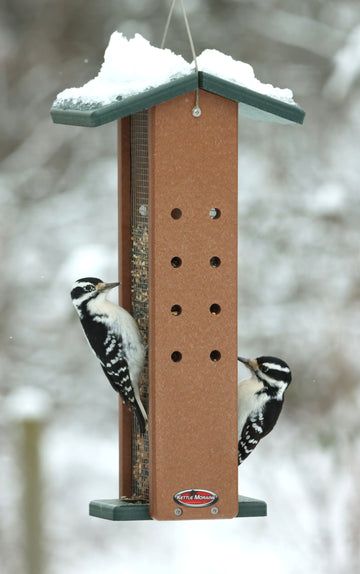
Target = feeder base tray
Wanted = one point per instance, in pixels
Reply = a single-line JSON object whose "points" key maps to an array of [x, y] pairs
{"points": [[117, 509]]}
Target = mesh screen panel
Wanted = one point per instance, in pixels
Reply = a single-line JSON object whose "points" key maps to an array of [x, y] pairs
{"points": [[139, 282]]}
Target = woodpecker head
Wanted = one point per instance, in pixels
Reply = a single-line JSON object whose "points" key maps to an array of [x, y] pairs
{"points": [[89, 288], [272, 372]]}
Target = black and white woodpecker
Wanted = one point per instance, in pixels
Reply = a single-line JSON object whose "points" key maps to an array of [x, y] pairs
{"points": [[260, 400], [114, 337]]}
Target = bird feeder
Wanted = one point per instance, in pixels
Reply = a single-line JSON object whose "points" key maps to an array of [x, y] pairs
{"points": [[178, 185]]}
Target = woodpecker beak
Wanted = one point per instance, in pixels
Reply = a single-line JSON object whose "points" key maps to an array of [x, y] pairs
{"points": [[249, 363], [106, 286]]}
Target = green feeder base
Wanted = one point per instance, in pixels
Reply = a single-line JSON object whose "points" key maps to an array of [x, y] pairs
{"points": [[117, 509]]}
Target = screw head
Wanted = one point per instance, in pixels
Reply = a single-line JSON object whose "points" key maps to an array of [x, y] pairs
{"points": [[196, 112], [214, 510], [178, 512]]}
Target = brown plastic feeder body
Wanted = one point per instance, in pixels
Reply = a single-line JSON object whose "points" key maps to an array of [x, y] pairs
{"points": [[192, 354]]}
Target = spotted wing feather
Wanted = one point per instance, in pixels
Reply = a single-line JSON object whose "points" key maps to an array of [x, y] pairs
{"points": [[253, 429], [115, 367]]}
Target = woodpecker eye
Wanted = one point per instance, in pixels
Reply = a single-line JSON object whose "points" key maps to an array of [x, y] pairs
{"points": [[264, 369], [89, 288]]}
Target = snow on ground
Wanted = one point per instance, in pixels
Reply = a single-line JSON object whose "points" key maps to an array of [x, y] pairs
{"points": [[28, 403], [133, 66]]}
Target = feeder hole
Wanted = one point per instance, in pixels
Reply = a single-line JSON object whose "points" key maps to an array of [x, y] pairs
{"points": [[215, 262], [176, 213], [214, 213], [215, 356], [176, 356], [176, 310], [215, 309], [176, 262]]}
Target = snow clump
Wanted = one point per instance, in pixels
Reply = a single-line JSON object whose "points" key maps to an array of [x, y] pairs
{"points": [[133, 66], [225, 67], [130, 67]]}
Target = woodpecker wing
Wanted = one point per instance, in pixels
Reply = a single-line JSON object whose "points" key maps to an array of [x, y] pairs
{"points": [[109, 349], [116, 368], [258, 424]]}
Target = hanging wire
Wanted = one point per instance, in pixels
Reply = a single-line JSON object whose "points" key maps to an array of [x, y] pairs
{"points": [[189, 35], [168, 23], [196, 111]]}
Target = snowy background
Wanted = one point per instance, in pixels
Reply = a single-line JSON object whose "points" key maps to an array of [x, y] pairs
{"points": [[299, 285]]}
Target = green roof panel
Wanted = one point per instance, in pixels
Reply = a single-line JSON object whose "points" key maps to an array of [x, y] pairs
{"points": [[93, 115], [252, 104]]}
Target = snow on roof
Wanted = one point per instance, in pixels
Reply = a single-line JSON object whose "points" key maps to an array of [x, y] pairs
{"points": [[225, 67], [133, 66], [130, 67]]}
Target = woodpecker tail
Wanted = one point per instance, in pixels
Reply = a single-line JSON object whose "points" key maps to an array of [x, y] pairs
{"points": [[140, 415]]}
